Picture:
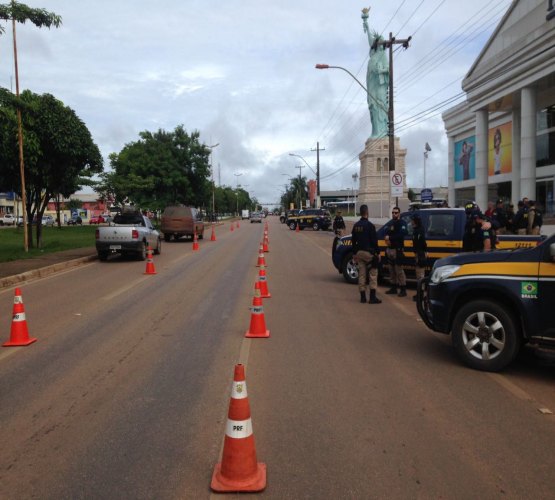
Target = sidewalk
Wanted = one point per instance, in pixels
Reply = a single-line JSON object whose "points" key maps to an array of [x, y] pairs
{"points": [[19, 271]]}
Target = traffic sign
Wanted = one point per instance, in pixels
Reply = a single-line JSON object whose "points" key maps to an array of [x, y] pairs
{"points": [[396, 183], [426, 195]]}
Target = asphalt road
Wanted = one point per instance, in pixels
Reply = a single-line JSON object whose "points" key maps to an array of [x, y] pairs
{"points": [[125, 394]]}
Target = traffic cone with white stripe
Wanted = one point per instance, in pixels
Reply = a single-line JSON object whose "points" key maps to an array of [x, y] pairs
{"points": [[297, 229], [257, 327], [261, 260], [19, 334], [195, 241], [239, 471], [265, 242], [149, 263], [263, 283]]}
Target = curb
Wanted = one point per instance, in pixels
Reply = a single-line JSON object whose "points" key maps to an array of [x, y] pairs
{"points": [[44, 271]]}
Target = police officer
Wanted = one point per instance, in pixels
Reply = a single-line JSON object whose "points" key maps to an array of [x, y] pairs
{"points": [[520, 220], [469, 235], [499, 218], [366, 255], [535, 219], [485, 234], [419, 247], [395, 233], [338, 224]]}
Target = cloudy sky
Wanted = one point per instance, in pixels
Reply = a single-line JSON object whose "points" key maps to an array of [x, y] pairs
{"points": [[242, 73]]}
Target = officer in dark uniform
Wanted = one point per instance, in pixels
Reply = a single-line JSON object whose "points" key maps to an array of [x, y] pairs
{"points": [[499, 218], [366, 255], [419, 247], [338, 224], [520, 221], [395, 233], [485, 234], [469, 235]]}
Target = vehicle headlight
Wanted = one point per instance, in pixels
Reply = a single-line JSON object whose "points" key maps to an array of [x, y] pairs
{"points": [[442, 273]]}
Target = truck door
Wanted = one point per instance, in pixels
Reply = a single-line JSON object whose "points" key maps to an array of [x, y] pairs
{"points": [[546, 291]]}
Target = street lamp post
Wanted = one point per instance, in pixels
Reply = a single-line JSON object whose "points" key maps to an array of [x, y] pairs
{"points": [[427, 149], [355, 178], [317, 174], [213, 185], [237, 175]]}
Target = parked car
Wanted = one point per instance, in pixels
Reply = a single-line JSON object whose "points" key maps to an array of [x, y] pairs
{"points": [[7, 220], [179, 221], [131, 234], [315, 218], [97, 219], [74, 221], [48, 220]]}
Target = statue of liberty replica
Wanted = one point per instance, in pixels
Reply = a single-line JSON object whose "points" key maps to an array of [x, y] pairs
{"points": [[377, 80], [374, 160]]}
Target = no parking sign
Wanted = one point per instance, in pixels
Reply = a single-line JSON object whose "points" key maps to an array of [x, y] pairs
{"points": [[396, 183]]}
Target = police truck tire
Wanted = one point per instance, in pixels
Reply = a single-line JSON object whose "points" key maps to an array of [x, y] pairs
{"points": [[292, 226], [167, 237], [485, 335], [103, 256], [316, 227], [350, 269]]}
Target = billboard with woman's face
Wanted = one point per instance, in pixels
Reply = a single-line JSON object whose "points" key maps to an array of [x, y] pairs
{"points": [[465, 160], [500, 149]]}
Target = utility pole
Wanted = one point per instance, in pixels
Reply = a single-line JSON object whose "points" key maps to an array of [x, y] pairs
{"points": [[388, 44], [318, 149]]}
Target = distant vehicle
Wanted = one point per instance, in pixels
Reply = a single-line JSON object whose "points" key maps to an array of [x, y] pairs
{"points": [[256, 217], [315, 218], [289, 213], [179, 221], [48, 220], [7, 220], [74, 221], [97, 219], [131, 234], [244, 214]]}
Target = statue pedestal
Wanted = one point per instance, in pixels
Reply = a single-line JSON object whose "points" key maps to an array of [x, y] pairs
{"points": [[374, 177]]}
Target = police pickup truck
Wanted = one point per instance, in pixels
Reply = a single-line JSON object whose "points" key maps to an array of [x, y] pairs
{"points": [[444, 233], [492, 303]]}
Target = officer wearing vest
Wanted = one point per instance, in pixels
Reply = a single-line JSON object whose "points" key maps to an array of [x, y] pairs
{"points": [[366, 255], [395, 233], [338, 224], [520, 220], [499, 218], [535, 219], [485, 234], [420, 247], [469, 234]]}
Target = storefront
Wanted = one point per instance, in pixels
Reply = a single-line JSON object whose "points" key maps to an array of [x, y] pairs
{"points": [[502, 138]]}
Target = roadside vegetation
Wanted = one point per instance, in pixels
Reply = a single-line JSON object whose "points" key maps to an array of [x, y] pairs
{"points": [[54, 240]]}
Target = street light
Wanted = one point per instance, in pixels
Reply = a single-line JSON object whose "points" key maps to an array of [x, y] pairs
{"points": [[237, 190], [355, 178], [427, 149], [213, 185]]}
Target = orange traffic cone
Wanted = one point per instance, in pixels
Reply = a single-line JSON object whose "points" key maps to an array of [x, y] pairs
{"points": [[195, 242], [231, 227], [263, 283], [19, 334], [257, 327], [265, 244], [297, 229], [261, 261], [149, 263], [239, 471], [213, 236], [237, 224]]}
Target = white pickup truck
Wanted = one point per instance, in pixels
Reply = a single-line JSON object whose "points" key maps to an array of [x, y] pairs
{"points": [[130, 233]]}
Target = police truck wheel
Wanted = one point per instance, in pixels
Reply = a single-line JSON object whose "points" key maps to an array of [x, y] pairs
{"points": [[350, 269], [485, 336], [167, 237], [315, 226], [292, 226]]}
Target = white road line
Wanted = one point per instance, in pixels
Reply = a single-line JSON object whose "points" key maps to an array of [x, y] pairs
{"points": [[4, 353], [121, 290]]}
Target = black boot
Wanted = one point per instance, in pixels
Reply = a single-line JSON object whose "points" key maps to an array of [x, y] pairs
{"points": [[373, 298], [363, 297], [403, 292], [392, 291]]}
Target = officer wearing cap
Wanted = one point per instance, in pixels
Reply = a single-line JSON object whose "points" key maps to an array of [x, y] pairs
{"points": [[469, 235], [338, 224], [366, 255], [499, 218], [485, 234], [419, 246]]}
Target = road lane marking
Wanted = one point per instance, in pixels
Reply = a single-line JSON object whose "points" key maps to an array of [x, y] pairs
{"points": [[8, 352], [509, 386]]}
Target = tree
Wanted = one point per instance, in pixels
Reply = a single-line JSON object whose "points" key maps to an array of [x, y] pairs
{"points": [[411, 194], [296, 193], [58, 147], [160, 169], [20, 13]]}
